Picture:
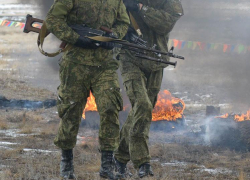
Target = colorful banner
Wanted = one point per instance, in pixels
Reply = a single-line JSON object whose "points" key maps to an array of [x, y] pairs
{"points": [[16, 24], [195, 45], [180, 44]]}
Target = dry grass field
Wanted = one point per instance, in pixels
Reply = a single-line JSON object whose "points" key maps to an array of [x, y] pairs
{"points": [[27, 151]]}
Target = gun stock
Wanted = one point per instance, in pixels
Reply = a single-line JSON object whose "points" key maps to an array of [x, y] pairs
{"points": [[29, 22]]}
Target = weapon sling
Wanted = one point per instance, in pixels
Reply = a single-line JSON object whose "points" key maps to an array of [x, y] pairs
{"points": [[42, 35]]}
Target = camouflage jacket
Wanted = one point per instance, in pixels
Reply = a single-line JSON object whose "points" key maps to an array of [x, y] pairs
{"points": [[94, 14], [156, 19]]}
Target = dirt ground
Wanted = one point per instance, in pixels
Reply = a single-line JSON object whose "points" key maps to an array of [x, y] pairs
{"points": [[26, 135]]}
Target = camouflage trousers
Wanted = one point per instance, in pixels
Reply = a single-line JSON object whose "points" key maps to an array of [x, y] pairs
{"points": [[142, 88], [76, 82]]}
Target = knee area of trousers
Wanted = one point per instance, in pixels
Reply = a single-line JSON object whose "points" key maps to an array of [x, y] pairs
{"points": [[66, 104], [110, 111], [109, 101], [145, 105]]}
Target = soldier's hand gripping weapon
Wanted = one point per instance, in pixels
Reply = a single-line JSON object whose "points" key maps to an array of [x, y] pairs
{"points": [[98, 36]]}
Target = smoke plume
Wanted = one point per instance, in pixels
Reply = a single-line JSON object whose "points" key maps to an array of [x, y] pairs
{"points": [[44, 5], [224, 76]]}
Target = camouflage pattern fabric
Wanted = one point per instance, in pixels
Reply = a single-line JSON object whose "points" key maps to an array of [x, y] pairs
{"points": [[156, 20], [76, 83], [83, 70], [142, 78], [94, 14], [142, 87]]}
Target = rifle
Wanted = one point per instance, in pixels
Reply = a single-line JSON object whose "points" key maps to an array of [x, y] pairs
{"points": [[98, 35]]}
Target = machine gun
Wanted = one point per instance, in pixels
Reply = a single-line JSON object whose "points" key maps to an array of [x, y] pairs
{"points": [[98, 36]]}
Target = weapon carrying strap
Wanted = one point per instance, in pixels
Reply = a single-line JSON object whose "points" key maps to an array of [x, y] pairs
{"points": [[134, 24], [44, 32], [42, 35]]}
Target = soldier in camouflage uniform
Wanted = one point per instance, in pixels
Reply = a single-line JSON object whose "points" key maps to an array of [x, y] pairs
{"points": [[142, 80], [87, 67]]}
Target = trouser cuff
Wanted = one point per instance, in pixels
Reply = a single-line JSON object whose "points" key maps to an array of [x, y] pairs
{"points": [[138, 163]]}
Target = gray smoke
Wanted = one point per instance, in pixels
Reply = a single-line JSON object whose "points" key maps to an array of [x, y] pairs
{"points": [[224, 76], [44, 5]]}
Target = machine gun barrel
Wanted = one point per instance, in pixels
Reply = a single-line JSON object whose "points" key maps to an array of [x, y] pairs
{"points": [[143, 56], [156, 59], [170, 54]]}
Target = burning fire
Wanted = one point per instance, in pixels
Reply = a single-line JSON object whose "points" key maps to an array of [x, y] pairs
{"points": [[90, 105], [238, 117], [223, 116], [167, 107]]}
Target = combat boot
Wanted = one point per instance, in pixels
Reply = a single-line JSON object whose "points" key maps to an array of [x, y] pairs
{"points": [[145, 170], [66, 165], [107, 166], [121, 169]]}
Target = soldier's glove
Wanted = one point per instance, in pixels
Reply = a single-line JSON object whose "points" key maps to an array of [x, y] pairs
{"points": [[108, 45], [131, 5], [85, 43], [132, 37]]}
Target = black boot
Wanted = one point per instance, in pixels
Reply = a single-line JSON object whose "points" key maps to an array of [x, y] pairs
{"points": [[107, 166], [145, 170], [66, 165], [121, 169]]}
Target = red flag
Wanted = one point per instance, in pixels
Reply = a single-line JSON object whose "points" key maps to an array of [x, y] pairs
{"points": [[203, 45], [225, 48], [22, 25], [179, 44], [8, 23], [199, 44], [175, 42]]}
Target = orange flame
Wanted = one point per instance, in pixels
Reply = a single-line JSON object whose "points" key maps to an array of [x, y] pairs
{"points": [[237, 117], [223, 116], [90, 105], [242, 117], [168, 107]]}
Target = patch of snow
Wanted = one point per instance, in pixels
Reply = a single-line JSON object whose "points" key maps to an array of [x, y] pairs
{"points": [[14, 133], [7, 143], [195, 105], [185, 98], [4, 147], [216, 171], [8, 69], [8, 60], [176, 93], [205, 96], [38, 150], [224, 105], [174, 164], [16, 6]]}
